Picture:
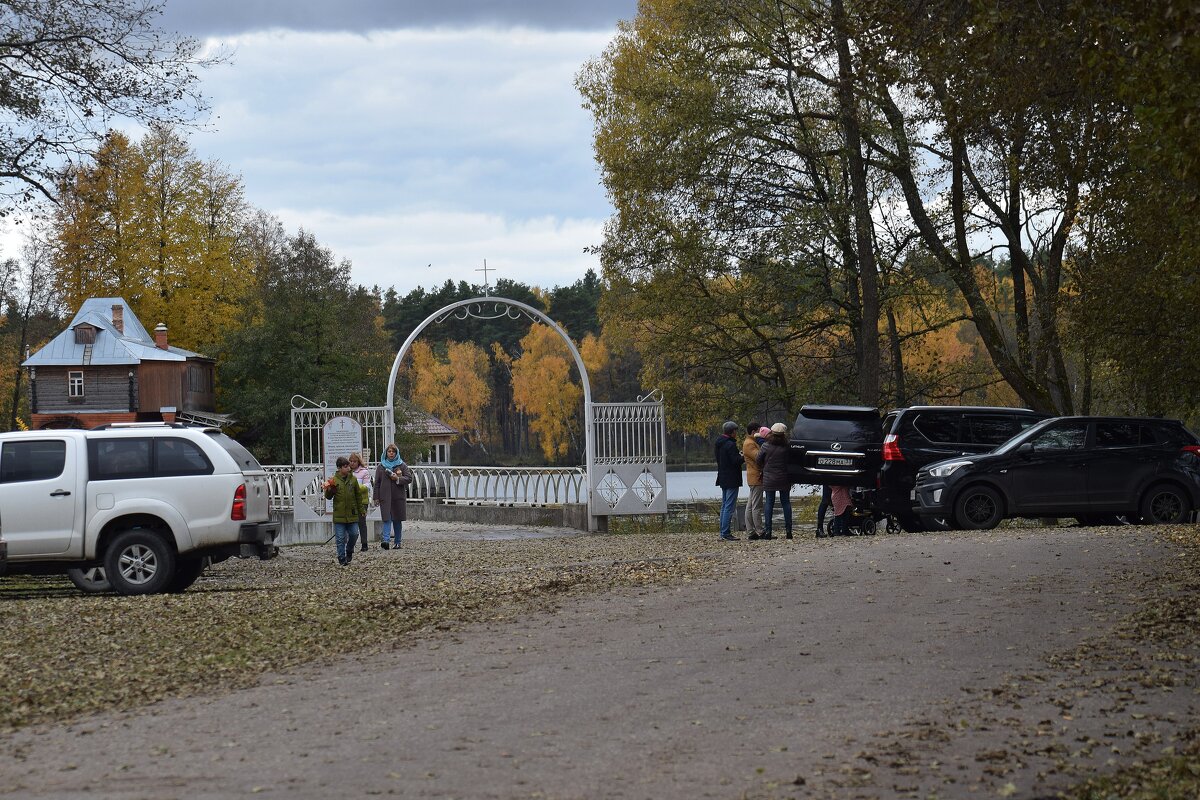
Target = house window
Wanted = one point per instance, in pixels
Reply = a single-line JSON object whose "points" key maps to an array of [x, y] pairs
{"points": [[75, 384]]}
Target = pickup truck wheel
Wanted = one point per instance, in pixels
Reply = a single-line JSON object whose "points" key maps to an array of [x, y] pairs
{"points": [[139, 561], [90, 581], [187, 570]]}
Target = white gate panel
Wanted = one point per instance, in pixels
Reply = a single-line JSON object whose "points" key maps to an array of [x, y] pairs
{"points": [[309, 460], [627, 473], [308, 424]]}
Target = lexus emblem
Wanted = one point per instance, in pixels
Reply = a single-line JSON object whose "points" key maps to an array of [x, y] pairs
{"points": [[836, 446]]}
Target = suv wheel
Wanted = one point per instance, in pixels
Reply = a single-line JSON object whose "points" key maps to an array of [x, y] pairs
{"points": [[90, 581], [978, 508], [139, 561], [1165, 504]]}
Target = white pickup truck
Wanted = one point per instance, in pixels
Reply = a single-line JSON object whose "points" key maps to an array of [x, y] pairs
{"points": [[151, 504]]}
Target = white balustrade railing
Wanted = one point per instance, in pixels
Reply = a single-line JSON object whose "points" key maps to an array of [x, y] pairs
{"points": [[497, 486], [280, 478]]}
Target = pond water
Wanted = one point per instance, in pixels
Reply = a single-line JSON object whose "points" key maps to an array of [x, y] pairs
{"points": [[703, 486]]}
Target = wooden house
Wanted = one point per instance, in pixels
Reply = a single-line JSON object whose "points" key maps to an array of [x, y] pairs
{"points": [[105, 367], [439, 434]]}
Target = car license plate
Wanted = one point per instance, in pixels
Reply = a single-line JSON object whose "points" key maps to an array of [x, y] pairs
{"points": [[829, 461]]}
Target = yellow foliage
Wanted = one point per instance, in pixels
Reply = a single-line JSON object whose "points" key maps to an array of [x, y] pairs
{"points": [[455, 390], [595, 354], [155, 225], [948, 361], [544, 389]]}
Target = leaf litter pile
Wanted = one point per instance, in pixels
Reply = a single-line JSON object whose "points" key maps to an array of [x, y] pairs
{"points": [[63, 654]]}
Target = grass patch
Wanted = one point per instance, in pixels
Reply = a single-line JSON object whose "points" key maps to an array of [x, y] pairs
{"points": [[1174, 777]]}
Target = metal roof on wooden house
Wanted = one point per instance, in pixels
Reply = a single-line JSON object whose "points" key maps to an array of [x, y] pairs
{"points": [[130, 345]]}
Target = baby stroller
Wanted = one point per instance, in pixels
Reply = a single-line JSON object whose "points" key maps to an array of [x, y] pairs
{"points": [[861, 519]]}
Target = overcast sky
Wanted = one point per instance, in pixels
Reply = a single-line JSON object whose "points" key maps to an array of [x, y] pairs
{"points": [[414, 138]]}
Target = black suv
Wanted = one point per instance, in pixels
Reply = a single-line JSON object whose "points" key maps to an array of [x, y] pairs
{"points": [[921, 435], [1086, 467], [837, 445]]}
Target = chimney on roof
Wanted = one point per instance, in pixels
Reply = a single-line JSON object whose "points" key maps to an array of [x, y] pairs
{"points": [[119, 318], [160, 336]]}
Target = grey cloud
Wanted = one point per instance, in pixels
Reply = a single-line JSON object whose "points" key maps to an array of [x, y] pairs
{"points": [[227, 17]]}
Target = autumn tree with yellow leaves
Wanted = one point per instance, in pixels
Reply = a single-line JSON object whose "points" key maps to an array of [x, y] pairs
{"points": [[153, 223], [455, 388], [543, 387]]}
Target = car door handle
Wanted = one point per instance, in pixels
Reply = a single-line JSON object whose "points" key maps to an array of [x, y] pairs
{"points": [[60, 493]]}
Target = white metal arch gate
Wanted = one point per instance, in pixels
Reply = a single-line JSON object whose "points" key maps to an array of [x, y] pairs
{"points": [[624, 443]]}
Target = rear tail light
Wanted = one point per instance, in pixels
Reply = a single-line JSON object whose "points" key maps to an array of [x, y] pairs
{"points": [[1194, 449], [891, 448], [238, 511]]}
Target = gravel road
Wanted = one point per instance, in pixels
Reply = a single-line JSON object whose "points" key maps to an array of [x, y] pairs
{"points": [[952, 665]]}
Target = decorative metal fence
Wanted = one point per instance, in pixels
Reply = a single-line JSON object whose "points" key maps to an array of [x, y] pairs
{"points": [[280, 478], [495, 486], [628, 470], [308, 425], [501, 486]]}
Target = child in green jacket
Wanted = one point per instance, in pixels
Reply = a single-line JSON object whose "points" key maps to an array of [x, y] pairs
{"points": [[349, 503]]}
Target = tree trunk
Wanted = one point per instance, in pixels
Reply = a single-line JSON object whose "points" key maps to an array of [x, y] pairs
{"points": [[868, 331], [900, 390], [1031, 392], [1017, 260]]}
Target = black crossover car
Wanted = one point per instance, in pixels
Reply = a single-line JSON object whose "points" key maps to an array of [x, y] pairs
{"points": [[920, 435], [1086, 467]]}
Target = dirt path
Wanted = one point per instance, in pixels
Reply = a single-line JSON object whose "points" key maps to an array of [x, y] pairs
{"points": [[887, 667]]}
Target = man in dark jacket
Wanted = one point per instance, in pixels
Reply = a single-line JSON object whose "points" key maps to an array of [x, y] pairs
{"points": [[729, 476]]}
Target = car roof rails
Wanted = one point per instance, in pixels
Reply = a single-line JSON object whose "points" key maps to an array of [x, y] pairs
{"points": [[135, 425]]}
